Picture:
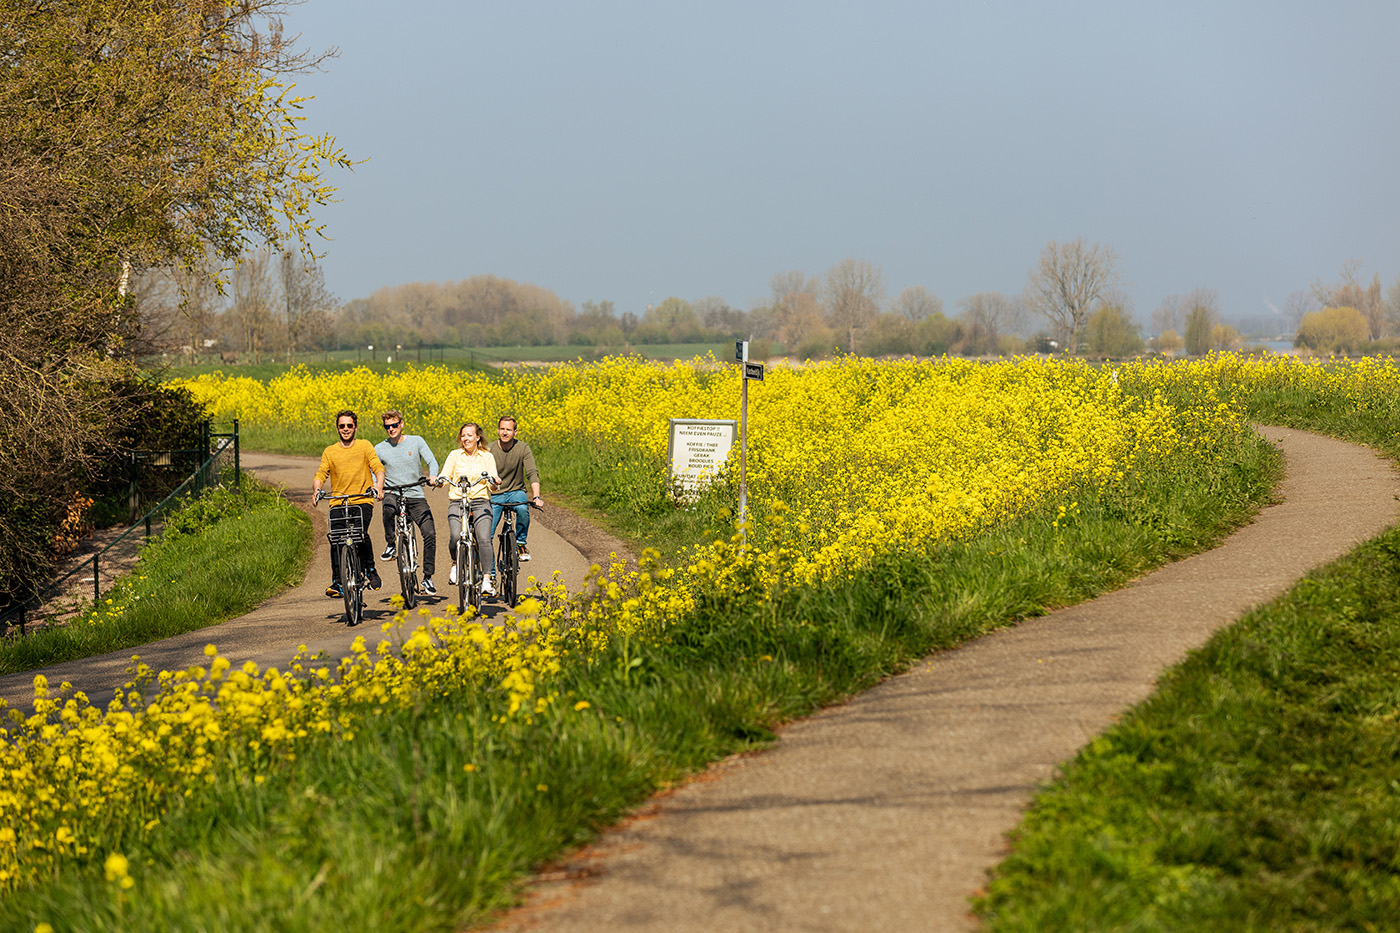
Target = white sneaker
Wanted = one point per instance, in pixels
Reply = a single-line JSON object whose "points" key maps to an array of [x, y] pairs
{"points": [[488, 586], [452, 575]]}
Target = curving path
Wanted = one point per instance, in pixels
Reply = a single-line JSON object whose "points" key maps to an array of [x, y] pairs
{"points": [[885, 813], [270, 634]]}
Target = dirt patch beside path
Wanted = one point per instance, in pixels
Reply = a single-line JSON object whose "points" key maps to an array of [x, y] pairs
{"points": [[595, 544]]}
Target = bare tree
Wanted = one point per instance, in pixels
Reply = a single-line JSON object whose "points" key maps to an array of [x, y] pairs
{"points": [[250, 318], [916, 303], [987, 316], [1169, 315], [1296, 306], [854, 291], [1350, 293], [306, 303], [1070, 279], [796, 309]]}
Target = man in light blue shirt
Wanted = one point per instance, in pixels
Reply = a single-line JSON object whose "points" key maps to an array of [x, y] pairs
{"points": [[403, 456]]}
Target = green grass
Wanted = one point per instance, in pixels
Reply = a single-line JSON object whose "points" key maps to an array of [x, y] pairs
{"points": [[394, 831], [263, 372], [220, 556], [488, 359], [567, 353], [1259, 788], [1256, 790]]}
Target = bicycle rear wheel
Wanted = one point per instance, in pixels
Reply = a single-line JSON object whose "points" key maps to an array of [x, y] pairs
{"points": [[350, 583], [408, 576], [508, 566]]}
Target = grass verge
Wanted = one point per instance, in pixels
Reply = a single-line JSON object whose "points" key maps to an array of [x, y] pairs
{"points": [[1257, 788], [219, 557], [430, 817]]}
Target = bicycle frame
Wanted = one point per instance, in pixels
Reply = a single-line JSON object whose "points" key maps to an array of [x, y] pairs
{"points": [[405, 545], [348, 537], [469, 573]]}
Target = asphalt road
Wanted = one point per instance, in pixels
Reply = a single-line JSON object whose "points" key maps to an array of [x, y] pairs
{"points": [[271, 634], [886, 813]]}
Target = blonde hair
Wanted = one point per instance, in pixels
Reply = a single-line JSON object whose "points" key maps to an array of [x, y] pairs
{"points": [[480, 436]]}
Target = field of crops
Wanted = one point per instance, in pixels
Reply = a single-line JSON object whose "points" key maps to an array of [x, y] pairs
{"points": [[853, 465]]}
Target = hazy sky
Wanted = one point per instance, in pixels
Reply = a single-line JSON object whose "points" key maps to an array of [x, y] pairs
{"points": [[628, 151]]}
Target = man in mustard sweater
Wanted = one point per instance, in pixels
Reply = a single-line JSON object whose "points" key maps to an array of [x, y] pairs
{"points": [[351, 466]]}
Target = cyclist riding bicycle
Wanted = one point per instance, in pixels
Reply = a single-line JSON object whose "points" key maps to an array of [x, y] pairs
{"points": [[403, 456], [469, 461], [515, 463], [351, 465]]}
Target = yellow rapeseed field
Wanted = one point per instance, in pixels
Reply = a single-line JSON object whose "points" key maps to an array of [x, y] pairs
{"points": [[848, 461]]}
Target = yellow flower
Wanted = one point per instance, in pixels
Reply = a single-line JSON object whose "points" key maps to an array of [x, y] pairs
{"points": [[116, 866]]}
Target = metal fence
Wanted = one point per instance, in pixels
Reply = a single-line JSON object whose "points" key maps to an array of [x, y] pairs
{"points": [[218, 453]]}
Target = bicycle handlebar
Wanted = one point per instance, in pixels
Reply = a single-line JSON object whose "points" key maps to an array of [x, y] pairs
{"points": [[322, 494], [467, 482], [421, 481]]}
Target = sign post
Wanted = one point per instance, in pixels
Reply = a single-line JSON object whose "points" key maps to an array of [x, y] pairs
{"points": [[741, 356], [750, 371]]}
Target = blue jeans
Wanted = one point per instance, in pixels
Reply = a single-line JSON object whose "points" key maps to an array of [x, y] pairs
{"points": [[518, 499]]}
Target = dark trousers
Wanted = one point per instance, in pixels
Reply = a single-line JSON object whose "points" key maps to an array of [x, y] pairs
{"points": [[421, 515], [365, 548]]}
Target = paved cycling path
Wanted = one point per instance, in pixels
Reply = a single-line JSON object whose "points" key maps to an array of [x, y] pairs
{"points": [[270, 634], [885, 813]]}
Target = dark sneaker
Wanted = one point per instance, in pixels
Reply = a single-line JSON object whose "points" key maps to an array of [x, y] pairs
{"points": [[389, 553], [428, 588], [334, 591], [524, 554], [374, 581]]}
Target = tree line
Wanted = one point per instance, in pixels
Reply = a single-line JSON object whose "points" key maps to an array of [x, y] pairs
{"points": [[844, 310], [277, 304]]}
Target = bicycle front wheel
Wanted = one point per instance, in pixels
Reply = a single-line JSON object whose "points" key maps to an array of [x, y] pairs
{"points": [[464, 581], [350, 583], [408, 578], [474, 571]]}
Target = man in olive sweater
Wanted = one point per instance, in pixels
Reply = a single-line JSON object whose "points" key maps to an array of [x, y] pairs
{"points": [[351, 466], [515, 464]]}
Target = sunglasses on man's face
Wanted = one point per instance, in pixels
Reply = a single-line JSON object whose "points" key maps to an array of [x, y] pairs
{"points": [[396, 424], [346, 425]]}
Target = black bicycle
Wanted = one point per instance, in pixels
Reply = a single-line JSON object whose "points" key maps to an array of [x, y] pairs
{"points": [[406, 545], [347, 531], [508, 555], [467, 566]]}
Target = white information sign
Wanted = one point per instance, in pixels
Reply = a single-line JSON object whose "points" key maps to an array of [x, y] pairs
{"points": [[698, 448]]}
